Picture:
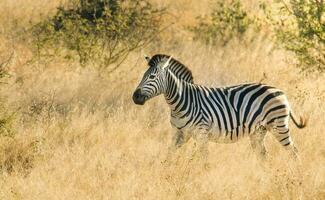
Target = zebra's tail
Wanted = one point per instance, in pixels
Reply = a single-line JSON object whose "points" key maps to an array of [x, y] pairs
{"points": [[302, 122]]}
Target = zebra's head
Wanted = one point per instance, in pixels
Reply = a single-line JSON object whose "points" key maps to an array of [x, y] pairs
{"points": [[153, 81]]}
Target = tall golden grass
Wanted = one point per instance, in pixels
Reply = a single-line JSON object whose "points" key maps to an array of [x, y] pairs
{"points": [[79, 135]]}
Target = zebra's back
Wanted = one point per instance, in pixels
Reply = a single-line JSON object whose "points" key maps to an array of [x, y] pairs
{"points": [[235, 111]]}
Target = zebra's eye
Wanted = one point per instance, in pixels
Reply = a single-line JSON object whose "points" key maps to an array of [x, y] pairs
{"points": [[152, 76]]}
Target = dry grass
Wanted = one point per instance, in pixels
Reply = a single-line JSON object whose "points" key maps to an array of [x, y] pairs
{"points": [[79, 135]]}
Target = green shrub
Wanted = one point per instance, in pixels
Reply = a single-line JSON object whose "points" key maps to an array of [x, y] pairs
{"points": [[299, 27], [227, 20], [98, 31]]}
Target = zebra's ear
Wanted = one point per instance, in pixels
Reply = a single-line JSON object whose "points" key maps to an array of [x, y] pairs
{"points": [[167, 62], [147, 58]]}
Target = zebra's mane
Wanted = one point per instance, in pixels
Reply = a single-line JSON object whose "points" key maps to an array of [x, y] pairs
{"points": [[178, 69]]}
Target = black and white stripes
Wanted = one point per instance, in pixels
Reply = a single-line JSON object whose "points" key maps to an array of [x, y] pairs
{"points": [[224, 114]]}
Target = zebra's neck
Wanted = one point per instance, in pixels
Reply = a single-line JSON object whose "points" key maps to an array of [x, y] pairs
{"points": [[177, 91], [178, 69]]}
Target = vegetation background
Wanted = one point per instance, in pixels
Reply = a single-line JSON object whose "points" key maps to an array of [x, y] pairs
{"points": [[69, 128]]}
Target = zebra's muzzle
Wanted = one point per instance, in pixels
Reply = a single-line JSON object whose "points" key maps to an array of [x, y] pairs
{"points": [[138, 97]]}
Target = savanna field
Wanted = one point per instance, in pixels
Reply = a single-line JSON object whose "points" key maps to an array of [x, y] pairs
{"points": [[70, 130]]}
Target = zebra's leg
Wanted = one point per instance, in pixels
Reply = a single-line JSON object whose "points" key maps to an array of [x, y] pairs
{"points": [[282, 134], [202, 139], [257, 142], [178, 140]]}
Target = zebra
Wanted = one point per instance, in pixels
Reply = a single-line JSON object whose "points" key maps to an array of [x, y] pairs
{"points": [[222, 115]]}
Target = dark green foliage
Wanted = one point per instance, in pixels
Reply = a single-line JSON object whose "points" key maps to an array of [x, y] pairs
{"points": [[227, 20], [99, 31], [301, 29]]}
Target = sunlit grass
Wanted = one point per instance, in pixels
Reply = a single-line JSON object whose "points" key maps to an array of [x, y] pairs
{"points": [[79, 135]]}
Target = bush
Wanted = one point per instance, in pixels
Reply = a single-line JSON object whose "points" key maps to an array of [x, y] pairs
{"points": [[227, 20], [100, 31], [301, 30]]}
